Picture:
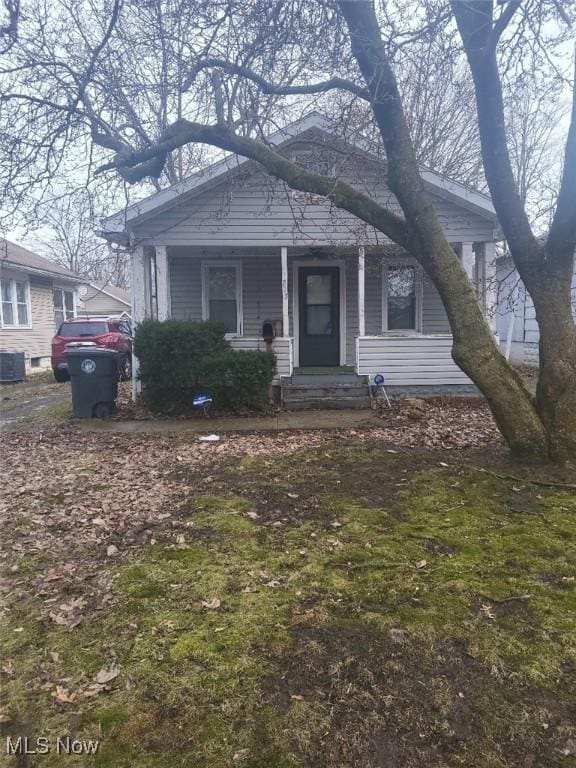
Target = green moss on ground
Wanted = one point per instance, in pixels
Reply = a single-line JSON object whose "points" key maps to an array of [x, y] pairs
{"points": [[348, 607]]}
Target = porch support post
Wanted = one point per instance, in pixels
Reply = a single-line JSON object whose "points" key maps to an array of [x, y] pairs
{"points": [[162, 282], [140, 289], [285, 310], [490, 287], [361, 291], [468, 260]]}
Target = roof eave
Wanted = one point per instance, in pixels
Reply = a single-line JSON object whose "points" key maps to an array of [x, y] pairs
{"points": [[40, 272]]}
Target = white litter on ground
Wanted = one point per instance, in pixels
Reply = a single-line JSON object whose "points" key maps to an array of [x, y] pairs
{"points": [[209, 438]]}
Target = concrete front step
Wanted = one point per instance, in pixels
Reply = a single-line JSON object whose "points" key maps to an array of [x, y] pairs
{"points": [[326, 378], [327, 403], [298, 391], [332, 390]]}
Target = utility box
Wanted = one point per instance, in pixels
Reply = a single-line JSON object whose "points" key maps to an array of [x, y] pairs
{"points": [[12, 366], [94, 380]]}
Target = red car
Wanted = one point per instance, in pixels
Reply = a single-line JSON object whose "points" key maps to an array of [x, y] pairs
{"points": [[110, 332]]}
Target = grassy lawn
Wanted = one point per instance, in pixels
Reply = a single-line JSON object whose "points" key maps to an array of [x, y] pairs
{"points": [[286, 602]]}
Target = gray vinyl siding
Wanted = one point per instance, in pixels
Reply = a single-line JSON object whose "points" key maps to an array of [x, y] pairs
{"points": [[411, 360], [34, 341], [373, 296], [261, 290], [525, 331], [262, 294], [434, 318], [254, 209], [186, 288], [351, 271], [95, 302]]}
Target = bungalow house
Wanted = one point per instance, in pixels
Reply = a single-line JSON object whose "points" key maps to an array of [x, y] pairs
{"points": [[344, 303], [516, 319], [102, 299], [37, 295]]}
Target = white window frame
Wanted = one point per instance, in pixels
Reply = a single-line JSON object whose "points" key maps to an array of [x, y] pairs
{"points": [[74, 302], [417, 331], [205, 267], [12, 282]]}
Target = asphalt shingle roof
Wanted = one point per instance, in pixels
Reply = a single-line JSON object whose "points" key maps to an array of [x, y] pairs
{"points": [[11, 253]]}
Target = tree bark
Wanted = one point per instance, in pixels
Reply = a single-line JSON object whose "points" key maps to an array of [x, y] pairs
{"points": [[546, 267], [474, 348], [556, 390]]}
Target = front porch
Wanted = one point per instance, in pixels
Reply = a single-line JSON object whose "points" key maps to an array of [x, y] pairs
{"points": [[321, 310]]}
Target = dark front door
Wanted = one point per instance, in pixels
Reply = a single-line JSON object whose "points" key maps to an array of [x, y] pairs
{"points": [[319, 318]]}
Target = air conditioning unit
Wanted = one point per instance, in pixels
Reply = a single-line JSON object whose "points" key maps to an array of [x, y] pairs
{"points": [[12, 366]]}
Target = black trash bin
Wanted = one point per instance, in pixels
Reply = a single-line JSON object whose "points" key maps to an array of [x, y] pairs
{"points": [[94, 379]]}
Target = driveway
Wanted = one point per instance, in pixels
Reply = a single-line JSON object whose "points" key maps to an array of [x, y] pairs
{"points": [[26, 399]]}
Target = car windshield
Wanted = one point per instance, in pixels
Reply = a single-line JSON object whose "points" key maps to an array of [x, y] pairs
{"points": [[74, 330]]}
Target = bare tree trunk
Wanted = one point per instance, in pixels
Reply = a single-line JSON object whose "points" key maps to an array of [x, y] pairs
{"points": [[545, 268], [556, 392], [474, 347]]}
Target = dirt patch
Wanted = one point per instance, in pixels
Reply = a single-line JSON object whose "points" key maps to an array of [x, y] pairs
{"points": [[405, 704]]}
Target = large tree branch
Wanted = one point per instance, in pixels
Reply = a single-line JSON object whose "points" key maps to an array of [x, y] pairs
{"points": [[502, 22], [563, 229], [268, 88], [403, 171], [86, 77], [135, 166], [474, 20]]}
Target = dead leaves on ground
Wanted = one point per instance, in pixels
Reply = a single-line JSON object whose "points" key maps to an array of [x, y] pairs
{"points": [[101, 683], [75, 504], [465, 423]]}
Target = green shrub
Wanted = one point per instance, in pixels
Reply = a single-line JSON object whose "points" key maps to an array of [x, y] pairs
{"points": [[180, 358], [241, 379]]}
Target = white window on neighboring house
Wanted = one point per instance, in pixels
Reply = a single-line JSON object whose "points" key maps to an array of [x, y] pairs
{"points": [[401, 298], [15, 303], [222, 294], [63, 306]]}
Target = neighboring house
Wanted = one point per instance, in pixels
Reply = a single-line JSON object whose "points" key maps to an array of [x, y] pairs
{"points": [[37, 295], [233, 244], [516, 321], [102, 299]]}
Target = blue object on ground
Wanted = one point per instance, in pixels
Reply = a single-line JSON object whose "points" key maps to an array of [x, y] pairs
{"points": [[202, 401]]}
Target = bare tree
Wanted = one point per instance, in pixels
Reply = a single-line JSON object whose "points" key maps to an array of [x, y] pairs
{"points": [[67, 236], [534, 119], [9, 25], [244, 65]]}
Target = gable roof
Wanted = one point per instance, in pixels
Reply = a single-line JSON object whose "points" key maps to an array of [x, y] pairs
{"points": [[111, 290], [119, 223], [22, 259]]}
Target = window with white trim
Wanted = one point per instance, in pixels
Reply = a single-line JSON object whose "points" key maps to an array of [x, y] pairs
{"points": [[400, 298], [63, 306], [15, 296], [222, 294]]}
